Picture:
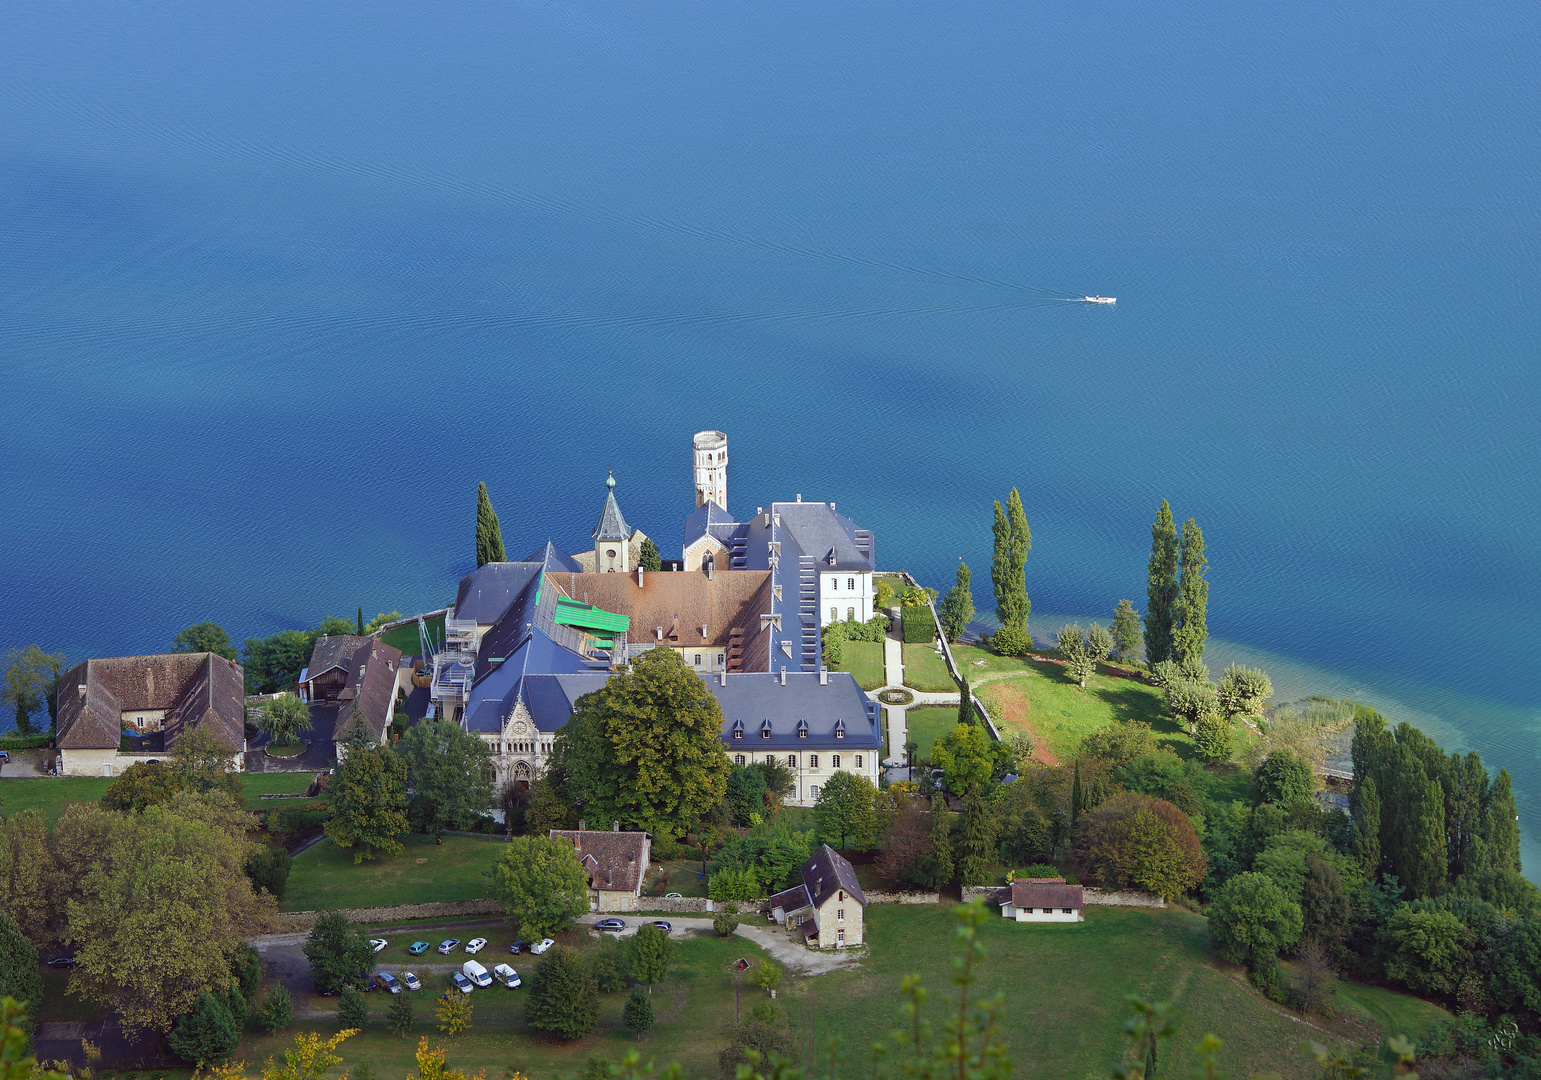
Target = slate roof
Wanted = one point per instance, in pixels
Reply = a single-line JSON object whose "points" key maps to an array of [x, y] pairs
{"points": [[486, 592], [828, 871], [333, 651], [821, 532], [708, 517], [678, 602], [612, 523], [613, 860], [553, 558], [194, 689], [371, 687], [526, 674], [1045, 893], [755, 697], [793, 899]]}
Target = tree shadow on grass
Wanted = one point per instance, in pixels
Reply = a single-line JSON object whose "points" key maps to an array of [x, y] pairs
{"points": [[1133, 702]]}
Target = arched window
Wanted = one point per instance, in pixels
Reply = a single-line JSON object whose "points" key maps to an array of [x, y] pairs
{"points": [[850, 584], [834, 761], [834, 614], [738, 759], [698, 659], [791, 761]]}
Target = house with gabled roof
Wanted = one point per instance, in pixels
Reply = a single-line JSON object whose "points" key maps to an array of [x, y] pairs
{"points": [[155, 699], [1043, 900], [827, 907], [615, 862]]}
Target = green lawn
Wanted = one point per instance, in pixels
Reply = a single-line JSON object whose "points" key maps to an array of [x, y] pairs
{"points": [[924, 669], [864, 659], [405, 637], [50, 793], [1394, 1013], [1058, 714], [684, 878], [326, 876], [927, 725], [1064, 989]]}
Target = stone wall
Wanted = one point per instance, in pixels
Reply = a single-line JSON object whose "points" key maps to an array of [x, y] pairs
{"points": [[903, 897], [1093, 897], [295, 921]]}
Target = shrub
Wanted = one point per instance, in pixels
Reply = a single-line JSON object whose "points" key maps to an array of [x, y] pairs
{"points": [[26, 742], [834, 645], [734, 885], [764, 1039], [918, 626], [269, 869], [1137, 841], [1215, 739], [564, 1000], [352, 1009], [725, 924], [1009, 641], [278, 1010]]}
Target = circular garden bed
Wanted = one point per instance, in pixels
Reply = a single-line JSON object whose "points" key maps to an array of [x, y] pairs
{"points": [[896, 697]]}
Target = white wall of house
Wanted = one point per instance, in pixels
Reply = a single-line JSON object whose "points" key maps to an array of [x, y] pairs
{"points": [[812, 767], [842, 595], [840, 921], [1011, 911], [144, 719]]}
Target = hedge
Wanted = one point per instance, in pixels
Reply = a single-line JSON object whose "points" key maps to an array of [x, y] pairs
{"points": [[918, 626], [24, 742]]}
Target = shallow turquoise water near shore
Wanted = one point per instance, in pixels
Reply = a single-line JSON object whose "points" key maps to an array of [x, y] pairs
{"points": [[277, 289]]}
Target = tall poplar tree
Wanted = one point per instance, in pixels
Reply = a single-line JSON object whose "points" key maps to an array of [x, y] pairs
{"points": [[1161, 588], [941, 839], [1008, 568], [1190, 627], [957, 607], [489, 537], [966, 714], [1502, 825], [978, 848], [1366, 821]]}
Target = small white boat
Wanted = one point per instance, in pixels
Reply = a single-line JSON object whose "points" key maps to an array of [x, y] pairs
{"points": [[1100, 299]]}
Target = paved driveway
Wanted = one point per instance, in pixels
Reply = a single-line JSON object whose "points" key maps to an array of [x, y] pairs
{"points": [[784, 946]]}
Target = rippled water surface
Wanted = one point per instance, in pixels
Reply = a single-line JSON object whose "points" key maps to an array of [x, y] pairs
{"points": [[278, 286]]}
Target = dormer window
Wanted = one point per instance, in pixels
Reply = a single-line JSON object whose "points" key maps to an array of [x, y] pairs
{"points": [[839, 729], [802, 729], [738, 729], [765, 729]]}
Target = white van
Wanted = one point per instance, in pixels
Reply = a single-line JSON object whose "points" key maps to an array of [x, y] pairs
{"points": [[507, 976], [476, 973]]}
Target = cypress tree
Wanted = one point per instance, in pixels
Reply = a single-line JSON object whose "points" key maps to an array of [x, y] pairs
{"points": [[966, 713], [489, 537], [1077, 796], [941, 838], [1425, 864], [1366, 822], [1008, 568], [957, 606], [1161, 588], [1502, 827], [979, 841], [1190, 628], [361, 620]]}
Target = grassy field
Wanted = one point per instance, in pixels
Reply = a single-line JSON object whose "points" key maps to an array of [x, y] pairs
{"points": [[1394, 1013], [50, 794], [1064, 988], [864, 659], [1058, 714], [405, 637], [325, 876], [927, 725]]}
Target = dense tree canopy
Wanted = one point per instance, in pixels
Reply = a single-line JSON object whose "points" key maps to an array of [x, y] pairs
{"points": [[1140, 842], [646, 749], [19, 977], [285, 718], [142, 784], [273, 664], [338, 952], [540, 884], [846, 809], [449, 771], [563, 999], [204, 637], [957, 607], [32, 681], [369, 796], [1252, 918], [1190, 628], [967, 757], [1127, 635]]}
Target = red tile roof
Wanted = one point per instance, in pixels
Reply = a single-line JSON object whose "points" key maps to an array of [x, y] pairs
{"points": [[1045, 893], [613, 860]]}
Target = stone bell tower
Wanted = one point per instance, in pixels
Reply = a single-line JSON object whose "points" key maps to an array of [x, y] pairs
{"points": [[711, 452]]}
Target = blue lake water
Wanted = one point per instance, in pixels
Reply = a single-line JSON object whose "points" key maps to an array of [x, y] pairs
{"points": [[278, 286]]}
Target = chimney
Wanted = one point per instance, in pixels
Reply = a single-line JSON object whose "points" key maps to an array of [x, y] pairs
{"points": [[615, 826], [799, 496], [582, 825], [724, 679], [709, 567], [823, 676], [639, 577], [783, 674], [832, 504]]}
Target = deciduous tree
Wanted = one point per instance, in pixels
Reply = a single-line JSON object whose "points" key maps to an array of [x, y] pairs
{"points": [[399, 1017], [540, 884], [846, 808], [18, 966], [32, 884], [646, 749], [637, 1014], [454, 1013], [651, 951], [967, 757], [1243, 690], [142, 784], [268, 869], [1252, 918], [1138, 841], [205, 761], [908, 856], [1161, 588], [158, 907], [369, 796], [449, 771], [353, 1010], [489, 536], [31, 681], [1283, 778], [1190, 628], [1127, 635], [204, 637], [957, 607], [563, 999]]}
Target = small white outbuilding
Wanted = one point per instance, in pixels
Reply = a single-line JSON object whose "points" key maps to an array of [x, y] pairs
{"points": [[1043, 900]]}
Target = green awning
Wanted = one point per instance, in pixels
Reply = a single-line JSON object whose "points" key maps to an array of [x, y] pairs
{"points": [[589, 617]]}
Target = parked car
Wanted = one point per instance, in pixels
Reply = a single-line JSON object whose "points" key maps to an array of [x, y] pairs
{"points": [[418, 948], [449, 945], [388, 981], [462, 983], [476, 945], [378, 943], [610, 924], [62, 961], [366, 983], [664, 925], [541, 946], [476, 973], [507, 976], [518, 947], [411, 981], [4, 756]]}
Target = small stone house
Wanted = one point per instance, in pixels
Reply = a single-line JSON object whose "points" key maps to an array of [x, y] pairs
{"points": [[1043, 900], [616, 863], [827, 906]]}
